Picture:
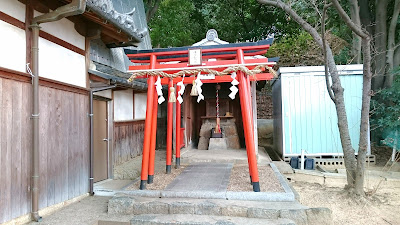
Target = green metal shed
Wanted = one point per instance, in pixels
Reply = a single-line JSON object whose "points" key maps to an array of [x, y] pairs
{"points": [[304, 115]]}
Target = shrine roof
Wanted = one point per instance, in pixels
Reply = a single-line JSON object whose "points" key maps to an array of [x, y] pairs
{"points": [[225, 48]]}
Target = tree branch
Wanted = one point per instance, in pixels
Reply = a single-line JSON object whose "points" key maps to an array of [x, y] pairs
{"points": [[355, 28], [328, 84], [306, 26]]}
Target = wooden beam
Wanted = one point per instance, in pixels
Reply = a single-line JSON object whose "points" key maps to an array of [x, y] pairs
{"points": [[218, 79]]}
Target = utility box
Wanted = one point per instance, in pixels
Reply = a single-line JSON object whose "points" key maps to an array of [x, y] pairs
{"points": [[305, 116]]}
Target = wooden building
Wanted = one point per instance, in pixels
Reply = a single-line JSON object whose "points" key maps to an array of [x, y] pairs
{"points": [[79, 54]]}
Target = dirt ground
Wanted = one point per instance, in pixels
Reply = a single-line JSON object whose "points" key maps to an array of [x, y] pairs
{"points": [[161, 180], [85, 212], [381, 208]]}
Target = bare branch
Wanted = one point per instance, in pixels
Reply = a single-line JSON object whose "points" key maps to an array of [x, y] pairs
{"points": [[328, 84], [306, 26], [354, 27]]}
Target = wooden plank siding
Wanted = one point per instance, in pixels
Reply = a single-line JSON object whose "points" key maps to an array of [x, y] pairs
{"points": [[128, 140], [64, 146]]}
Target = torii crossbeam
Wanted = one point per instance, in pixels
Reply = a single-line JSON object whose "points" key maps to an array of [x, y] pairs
{"points": [[172, 63]]}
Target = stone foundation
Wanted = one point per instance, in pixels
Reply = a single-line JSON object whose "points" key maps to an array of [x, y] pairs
{"points": [[228, 127]]}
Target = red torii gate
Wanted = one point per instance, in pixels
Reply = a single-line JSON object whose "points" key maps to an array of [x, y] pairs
{"points": [[226, 56]]}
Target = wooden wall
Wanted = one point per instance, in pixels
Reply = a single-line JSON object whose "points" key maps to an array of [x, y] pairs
{"points": [[64, 147], [128, 140]]}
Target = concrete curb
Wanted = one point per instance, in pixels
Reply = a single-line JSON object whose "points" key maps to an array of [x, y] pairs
{"points": [[286, 196]]}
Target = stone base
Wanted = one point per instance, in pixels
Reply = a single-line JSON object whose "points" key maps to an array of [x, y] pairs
{"points": [[228, 127], [217, 144]]}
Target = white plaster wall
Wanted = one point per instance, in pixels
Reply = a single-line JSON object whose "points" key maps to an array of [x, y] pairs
{"points": [[123, 105], [105, 94], [61, 64], [12, 47], [63, 29], [13, 8], [140, 105]]}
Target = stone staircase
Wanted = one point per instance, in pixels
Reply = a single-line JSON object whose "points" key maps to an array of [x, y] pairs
{"points": [[215, 211]]}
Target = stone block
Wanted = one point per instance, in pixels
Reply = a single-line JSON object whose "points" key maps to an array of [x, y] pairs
{"points": [[207, 208], [157, 208], [205, 131], [203, 143], [121, 205], [217, 144], [230, 130], [297, 215], [181, 208], [263, 213], [233, 142], [316, 216], [234, 211], [150, 208]]}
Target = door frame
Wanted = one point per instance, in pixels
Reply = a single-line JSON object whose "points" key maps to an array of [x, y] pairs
{"points": [[110, 133]]}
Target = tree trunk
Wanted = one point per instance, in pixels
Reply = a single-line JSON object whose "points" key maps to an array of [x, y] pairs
{"points": [[391, 45], [356, 45], [348, 151], [396, 58], [365, 16], [380, 43], [152, 8], [366, 99]]}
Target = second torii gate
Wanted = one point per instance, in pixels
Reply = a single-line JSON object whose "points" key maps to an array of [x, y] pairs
{"points": [[190, 62]]}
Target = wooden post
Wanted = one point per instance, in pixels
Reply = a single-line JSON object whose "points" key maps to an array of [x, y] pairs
{"points": [[178, 130], [147, 127], [152, 153], [245, 102], [169, 128], [254, 109]]}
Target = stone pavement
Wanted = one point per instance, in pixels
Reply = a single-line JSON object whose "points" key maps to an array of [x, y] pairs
{"points": [[203, 177]]}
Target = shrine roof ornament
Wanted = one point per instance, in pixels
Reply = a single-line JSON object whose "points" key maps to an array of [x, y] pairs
{"points": [[211, 39]]}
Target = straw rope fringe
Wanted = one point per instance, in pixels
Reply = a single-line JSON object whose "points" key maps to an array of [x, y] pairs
{"points": [[229, 70]]}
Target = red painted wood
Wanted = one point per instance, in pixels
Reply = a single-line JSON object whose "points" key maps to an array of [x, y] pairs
{"points": [[152, 154], [220, 79], [245, 99], [205, 63], [169, 125], [228, 49], [204, 57], [147, 129], [178, 125]]}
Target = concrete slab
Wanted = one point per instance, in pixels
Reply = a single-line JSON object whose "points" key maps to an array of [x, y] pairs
{"points": [[238, 156], [217, 144], [109, 187], [283, 167], [202, 177]]}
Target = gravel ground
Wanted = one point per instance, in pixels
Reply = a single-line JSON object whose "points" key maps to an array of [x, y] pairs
{"points": [[240, 181], [130, 170], [161, 180]]}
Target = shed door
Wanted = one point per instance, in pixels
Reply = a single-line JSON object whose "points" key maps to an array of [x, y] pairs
{"points": [[100, 140]]}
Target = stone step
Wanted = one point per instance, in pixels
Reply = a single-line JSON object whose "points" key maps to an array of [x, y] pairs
{"points": [[302, 215], [185, 219]]}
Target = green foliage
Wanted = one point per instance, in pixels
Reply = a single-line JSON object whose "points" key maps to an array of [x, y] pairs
{"points": [[184, 22], [296, 50], [385, 109], [173, 24]]}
